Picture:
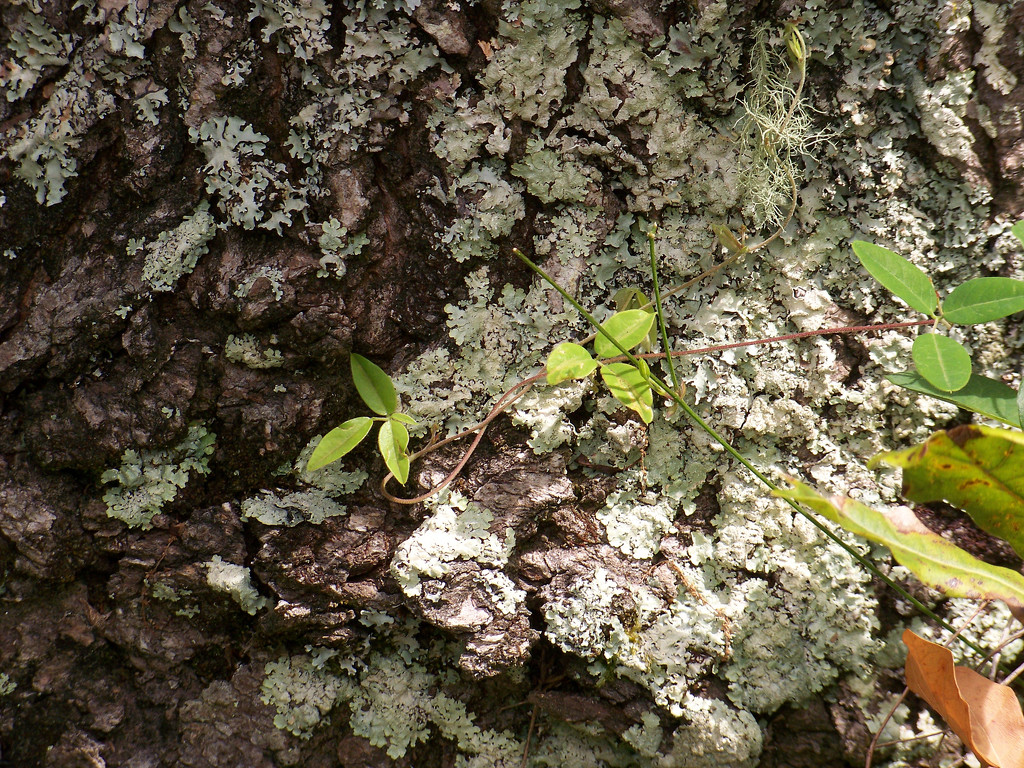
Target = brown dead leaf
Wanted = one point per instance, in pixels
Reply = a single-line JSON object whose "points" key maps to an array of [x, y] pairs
{"points": [[985, 715]]}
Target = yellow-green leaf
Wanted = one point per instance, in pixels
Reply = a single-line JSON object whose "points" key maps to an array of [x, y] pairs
{"points": [[943, 361], [898, 275], [937, 562], [569, 361], [393, 440], [373, 385], [630, 388], [338, 442], [629, 328], [978, 469]]}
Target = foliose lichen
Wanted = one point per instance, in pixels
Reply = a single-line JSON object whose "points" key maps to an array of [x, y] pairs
{"points": [[236, 581], [245, 350], [149, 479], [176, 252]]}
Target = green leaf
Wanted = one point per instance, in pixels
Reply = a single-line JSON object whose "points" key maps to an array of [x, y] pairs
{"points": [[374, 386], [629, 387], [404, 418], [1018, 231], [1020, 406], [338, 442], [629, 328], [942, 361], [393, 440], [898, 275], [937, 562], [989, 397], [629, 298], [569, 361], [978, 469], [984, 299]]}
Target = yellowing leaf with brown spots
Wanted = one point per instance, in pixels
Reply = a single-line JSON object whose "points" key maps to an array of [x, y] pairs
{"points": [[985, 715], [979, 469], [934, 560]]}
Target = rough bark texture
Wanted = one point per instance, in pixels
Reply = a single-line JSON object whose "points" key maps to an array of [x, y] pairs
{"points": [[205, 207]]}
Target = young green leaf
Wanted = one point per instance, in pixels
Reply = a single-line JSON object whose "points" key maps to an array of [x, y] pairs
{"points": [[984, 299], [393, 440], [373, 385], [1018, 231], [630, 388], [944, 362], [989, 397], [937, 562], [338, 442], [569, 361], [978, 469], [898, 275], [629, 298], [629, 328], [404, 418]]}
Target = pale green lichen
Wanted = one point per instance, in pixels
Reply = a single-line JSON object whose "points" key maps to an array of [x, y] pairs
{"points": [[313, 505], [251, 192], [636, 524], [490, 207], [34, 44], [149, 479], [245, 350], [336, 245], [458, 530], [236, 581], [273, 275], [303, 25], [176, 252], [7, 685], [168, 593], [302, 692]]}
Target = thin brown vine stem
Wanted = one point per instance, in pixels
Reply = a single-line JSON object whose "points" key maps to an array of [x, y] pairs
{"points": [[519, 390]]}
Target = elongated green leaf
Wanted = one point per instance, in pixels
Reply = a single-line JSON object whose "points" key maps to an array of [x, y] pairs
{"points": [[979, 469], [393, 441], [404, 418], [984, 299], [898, 275], [338, 442], [943, 361], [630, 388], [629, 328], [569, 361], [1018, 231], [989, 397], [937, 562], [374, 386]]}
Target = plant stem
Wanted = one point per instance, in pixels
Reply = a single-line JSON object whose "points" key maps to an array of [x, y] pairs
{"points": [[660, 312], [696, 418]]}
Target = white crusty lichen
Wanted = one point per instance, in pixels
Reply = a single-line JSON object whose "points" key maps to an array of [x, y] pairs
{"points": [[148, 479], [458, 531], [236, 581], [175, 252], [251, 192]]}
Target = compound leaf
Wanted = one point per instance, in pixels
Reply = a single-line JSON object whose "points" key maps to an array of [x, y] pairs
{"points": [[629, 328], [393, 440], [984, 299], [373, 385], [338, 442], [937, 562], [989, 397], [569, 361], [942, 361], [629, 387], [978, 469], [898, 275]]}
